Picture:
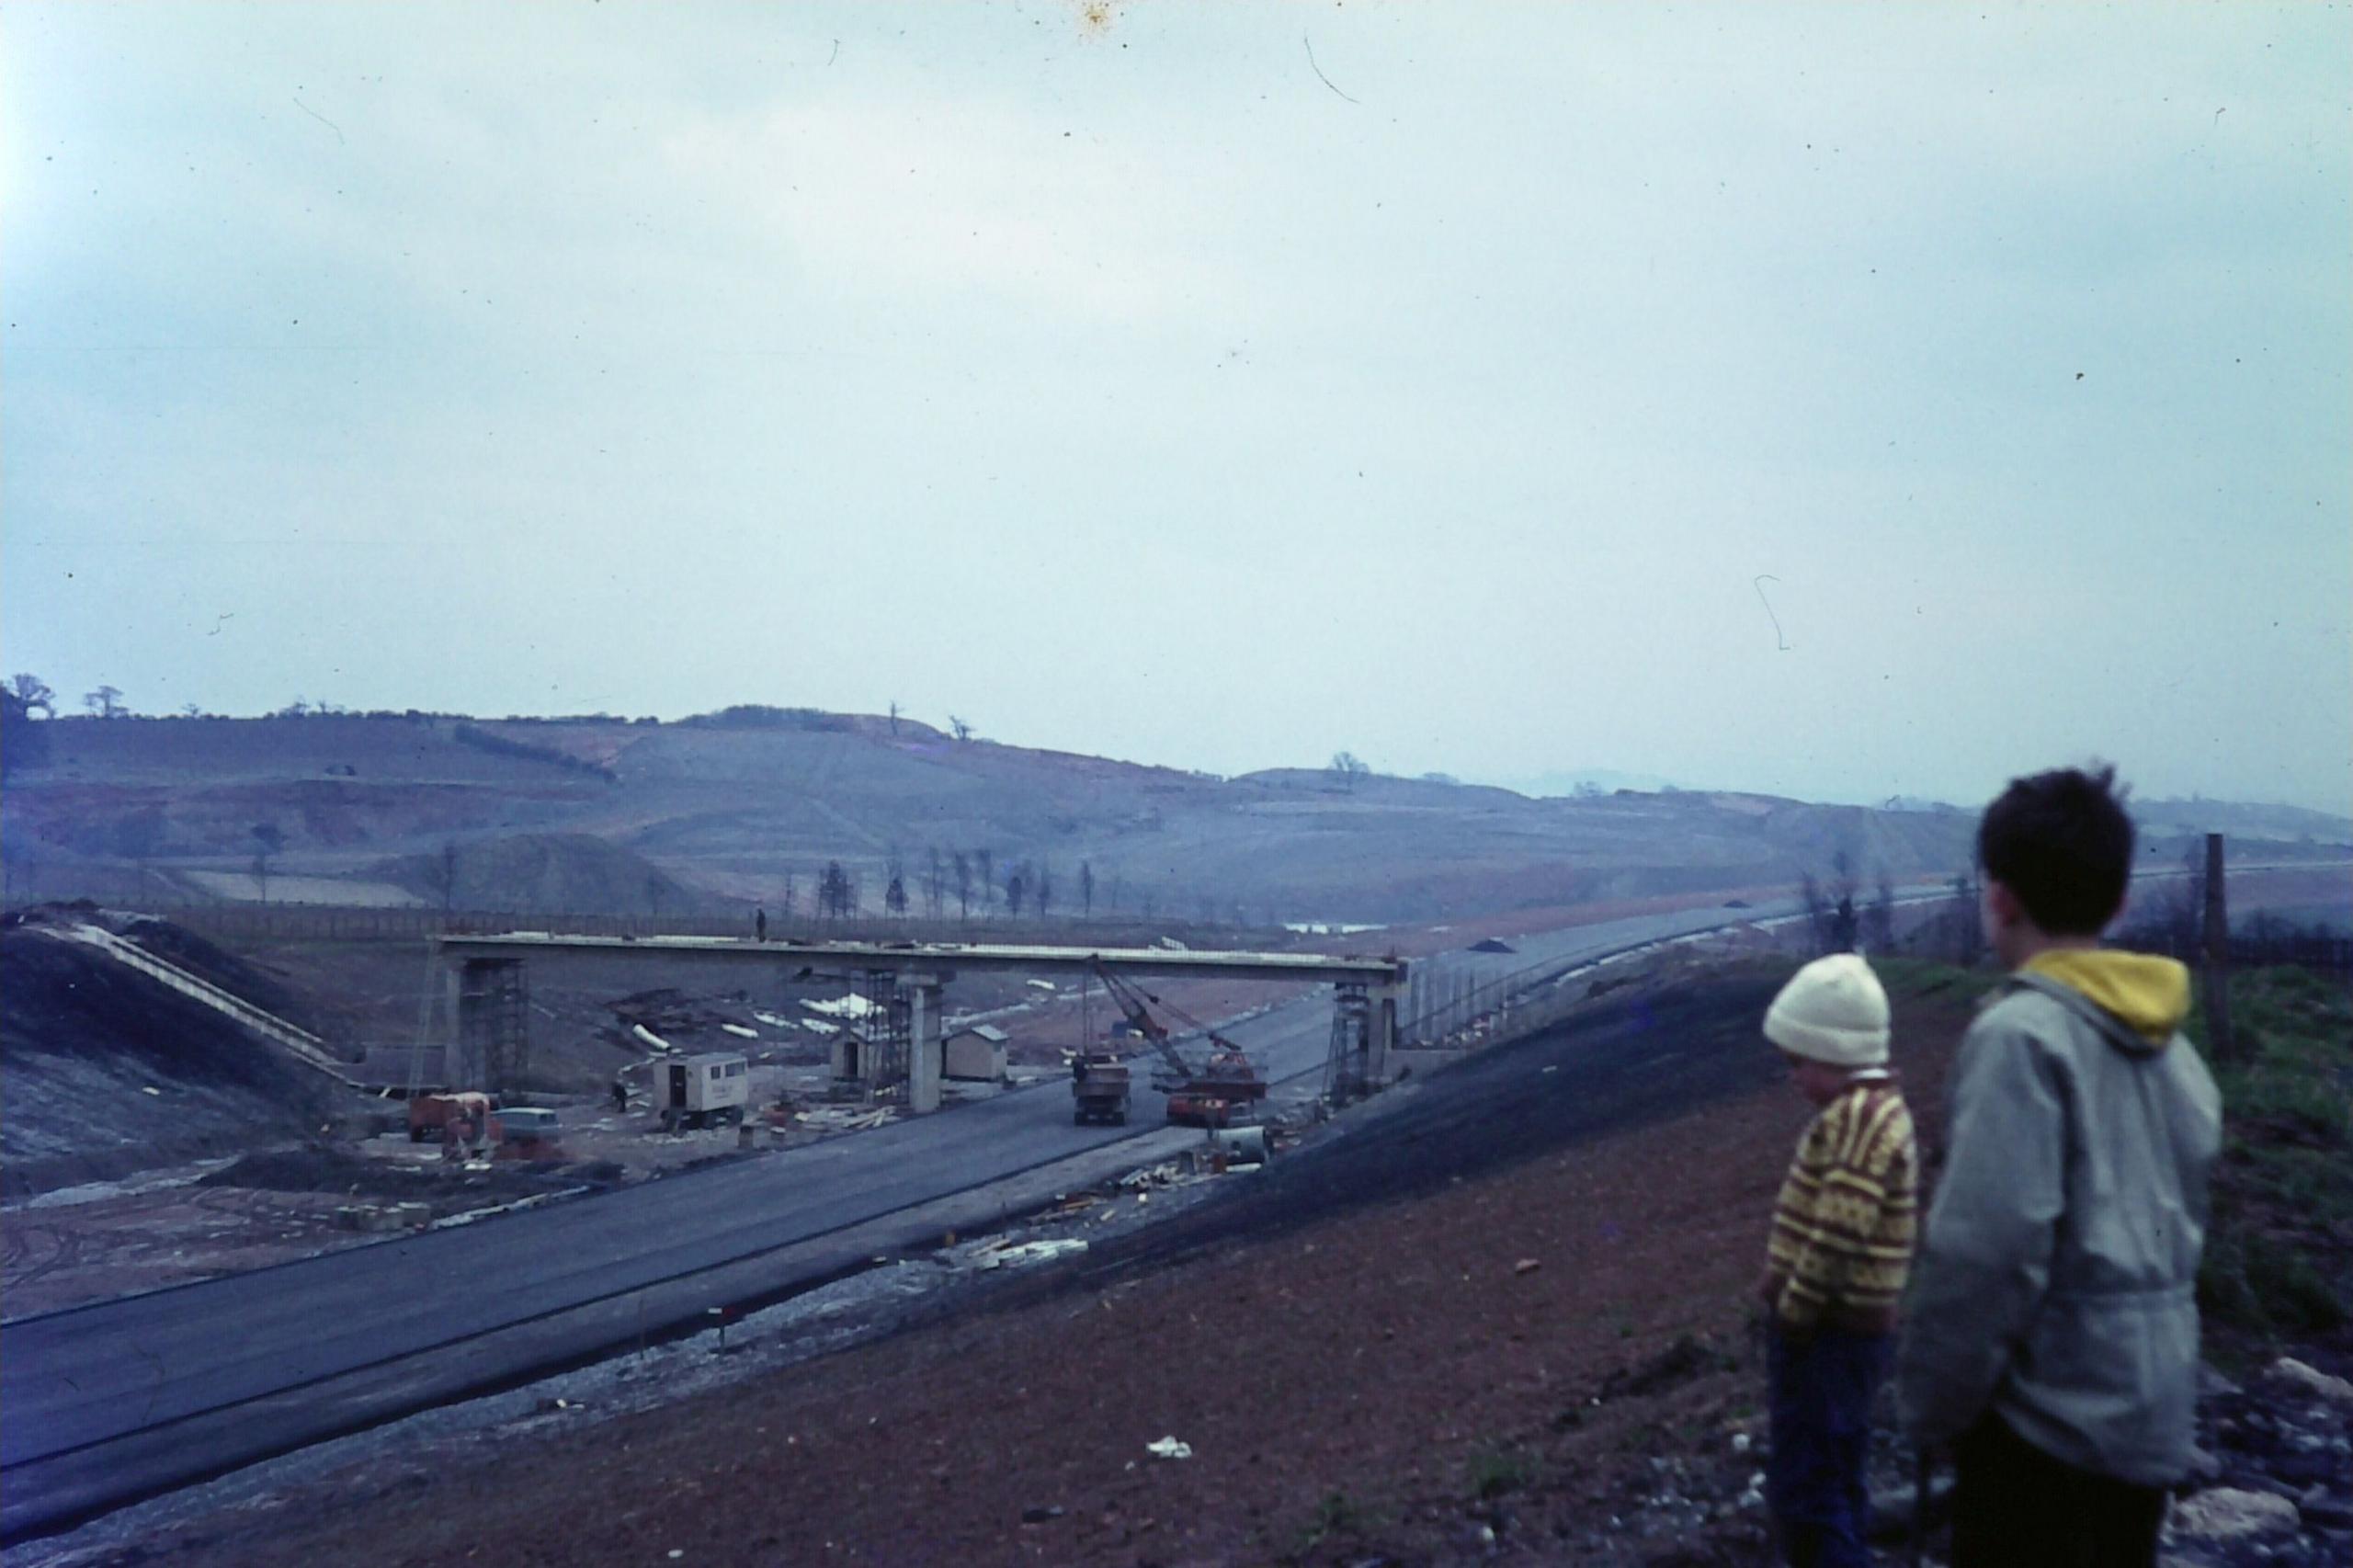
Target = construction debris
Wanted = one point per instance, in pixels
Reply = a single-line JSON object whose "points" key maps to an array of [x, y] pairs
{"points": [[1168, 1173], [838, 1118], [1003, 1251]]}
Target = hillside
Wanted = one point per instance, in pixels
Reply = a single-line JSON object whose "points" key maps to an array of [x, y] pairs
{"points": [[732, 806], [109, 1072]]}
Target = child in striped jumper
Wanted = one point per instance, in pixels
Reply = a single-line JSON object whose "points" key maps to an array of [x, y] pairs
{"points": [[1840, 1248]]}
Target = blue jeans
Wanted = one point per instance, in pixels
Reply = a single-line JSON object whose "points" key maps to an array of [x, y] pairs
{"points": [[1821, 1388]]}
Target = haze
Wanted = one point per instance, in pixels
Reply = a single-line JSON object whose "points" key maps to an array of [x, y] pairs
{"points": [[1838, 402]]}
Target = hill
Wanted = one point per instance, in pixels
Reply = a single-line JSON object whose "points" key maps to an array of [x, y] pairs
{"points": [[740, 805], [538, 872]]}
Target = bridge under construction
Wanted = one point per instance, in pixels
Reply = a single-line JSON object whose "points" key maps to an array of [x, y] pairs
{"points": [[486, 986]]}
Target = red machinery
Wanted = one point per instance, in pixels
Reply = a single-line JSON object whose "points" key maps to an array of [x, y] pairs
{"points": [[1213, 1094]]}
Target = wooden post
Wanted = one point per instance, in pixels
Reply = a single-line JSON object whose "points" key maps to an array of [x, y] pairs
{"points": [[2217, 953]]}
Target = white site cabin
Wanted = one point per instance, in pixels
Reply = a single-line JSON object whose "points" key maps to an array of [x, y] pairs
{"points": [[698, 1091]]}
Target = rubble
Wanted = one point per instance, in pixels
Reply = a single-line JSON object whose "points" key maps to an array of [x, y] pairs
{"points": [[1003, 1251], [839, 1118], [2227, 1514], [2331, 1389]]}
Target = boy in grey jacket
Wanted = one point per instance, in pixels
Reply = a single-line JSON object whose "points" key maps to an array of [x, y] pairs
{"points": [[2051, 1333]]}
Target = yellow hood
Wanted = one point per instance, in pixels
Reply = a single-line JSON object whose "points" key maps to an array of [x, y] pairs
{"points": [[2150, 995]]}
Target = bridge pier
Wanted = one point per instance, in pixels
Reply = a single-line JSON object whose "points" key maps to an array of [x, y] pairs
{"points": [[924, 1067], [1379, 1031]]}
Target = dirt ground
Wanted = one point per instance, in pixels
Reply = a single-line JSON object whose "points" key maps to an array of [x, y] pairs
{"points": [[1505, 1351]]}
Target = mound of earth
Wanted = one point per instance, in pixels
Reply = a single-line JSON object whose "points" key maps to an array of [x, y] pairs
{"points": [[542, 871], [110, 1071], [265, 988]]}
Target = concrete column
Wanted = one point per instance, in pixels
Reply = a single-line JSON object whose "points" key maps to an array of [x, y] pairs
{"points": [[461, 1064], [925, 1064], [1380, 1032]]}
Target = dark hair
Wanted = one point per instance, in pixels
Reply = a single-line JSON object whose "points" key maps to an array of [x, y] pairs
{"points": [[2062, 842]]}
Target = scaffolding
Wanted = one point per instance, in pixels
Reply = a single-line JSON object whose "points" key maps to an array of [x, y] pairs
{"points": [[886, 1027], [494, 1024], [1347, 1070]]}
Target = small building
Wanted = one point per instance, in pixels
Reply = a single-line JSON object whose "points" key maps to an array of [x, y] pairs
{"points": [[852, 1061], [974, 1053]]}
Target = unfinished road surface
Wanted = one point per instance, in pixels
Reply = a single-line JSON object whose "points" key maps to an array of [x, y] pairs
{"points": [[115, 1401]]}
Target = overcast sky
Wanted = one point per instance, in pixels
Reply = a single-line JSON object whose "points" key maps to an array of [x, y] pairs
{"points": [[1838, 400]]}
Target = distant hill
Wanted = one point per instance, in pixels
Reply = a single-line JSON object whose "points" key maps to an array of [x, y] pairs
{"points": [[1586, 781], [541, 874], [605, 816], [2274, 823]]}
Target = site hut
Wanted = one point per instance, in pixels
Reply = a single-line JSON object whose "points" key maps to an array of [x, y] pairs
{"points": [[696, 1091], [976, 1054], [852, 1058]]}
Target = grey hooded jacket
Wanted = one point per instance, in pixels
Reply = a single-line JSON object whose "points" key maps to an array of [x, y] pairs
{"points": [[2056, 1283]]}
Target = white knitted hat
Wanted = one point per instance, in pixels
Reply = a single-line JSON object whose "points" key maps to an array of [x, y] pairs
{"points": [[1832, 1010]]}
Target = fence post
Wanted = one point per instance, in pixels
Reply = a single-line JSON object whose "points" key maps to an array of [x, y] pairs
{"points": [[2218, 954]]}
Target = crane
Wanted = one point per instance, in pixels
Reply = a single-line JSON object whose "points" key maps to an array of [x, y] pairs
{"points": [[1207, 1095]]}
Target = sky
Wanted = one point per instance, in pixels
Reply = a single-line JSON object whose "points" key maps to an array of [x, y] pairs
{"points": [[1839, 401]]}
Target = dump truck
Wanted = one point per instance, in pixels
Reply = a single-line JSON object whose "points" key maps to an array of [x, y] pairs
{"points": [[430, 1117], [711, 1090], [1098, 1089]]}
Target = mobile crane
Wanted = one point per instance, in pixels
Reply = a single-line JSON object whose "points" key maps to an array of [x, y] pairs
{"points": [[1215, 1093]]}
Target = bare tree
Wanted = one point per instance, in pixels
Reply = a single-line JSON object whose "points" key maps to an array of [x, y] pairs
{"points": [[1969, 929], [1846, 924], [441, 875], [894, 716], [1016, 890], [960, 729], [1086, 887], [106, 702], [790, 897], [1041, 890], [935, 885], [1817, 913], [1347, 767], [268, 839], [964, 866], [894, 897], [34, 692], [1879, 920], [833, 895], [984, 871]]}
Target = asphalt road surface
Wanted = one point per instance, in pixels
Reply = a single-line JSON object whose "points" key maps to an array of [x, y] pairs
{"points": [[118, 1400]]}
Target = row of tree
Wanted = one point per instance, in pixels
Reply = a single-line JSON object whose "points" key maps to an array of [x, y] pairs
{"points": [[966, 877], [1838, 919]]}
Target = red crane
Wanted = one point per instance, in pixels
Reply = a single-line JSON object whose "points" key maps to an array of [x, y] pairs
{"points": [[1212, 1093]]}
